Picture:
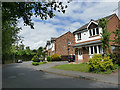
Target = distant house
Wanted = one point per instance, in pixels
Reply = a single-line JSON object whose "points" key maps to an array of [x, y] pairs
{"points": [[50, 47], [87, 38], [63, 45]]}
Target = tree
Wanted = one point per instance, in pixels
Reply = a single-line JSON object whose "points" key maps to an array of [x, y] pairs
{"points": [[25, 10], [28, 51], [12, 11], [105, 35], [117, 36]]}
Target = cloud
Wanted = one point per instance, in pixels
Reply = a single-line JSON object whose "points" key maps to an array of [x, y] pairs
{"points": [[77, 14]]}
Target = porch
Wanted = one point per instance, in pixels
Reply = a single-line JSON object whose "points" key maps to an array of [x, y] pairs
{"points": [[84, 51]]}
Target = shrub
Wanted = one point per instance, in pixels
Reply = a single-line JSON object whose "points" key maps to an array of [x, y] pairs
{"points": [[35, 58], [35, 63], [116, 58], [55, 57], [99, 64], [38, 63], [48, 58]]}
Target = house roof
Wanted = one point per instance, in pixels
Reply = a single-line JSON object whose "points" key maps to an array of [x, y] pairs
{"points": [[85, 26], [53, 38], [87, 43], [63, 34]]}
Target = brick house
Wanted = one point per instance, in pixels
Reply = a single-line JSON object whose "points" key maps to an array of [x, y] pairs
{"points": [[63, 45], [87, 38]]}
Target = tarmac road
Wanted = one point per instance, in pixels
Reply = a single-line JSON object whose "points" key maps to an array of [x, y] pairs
{"points": [[17, 76]]}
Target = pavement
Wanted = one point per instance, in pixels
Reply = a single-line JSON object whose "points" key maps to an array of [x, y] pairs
{"points": [[111, 78]]}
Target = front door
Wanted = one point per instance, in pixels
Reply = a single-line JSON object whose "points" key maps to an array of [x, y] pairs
{"points": [[80, 54]]}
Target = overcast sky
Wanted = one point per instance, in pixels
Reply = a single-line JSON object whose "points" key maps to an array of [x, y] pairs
{"points": [[77, 14]]}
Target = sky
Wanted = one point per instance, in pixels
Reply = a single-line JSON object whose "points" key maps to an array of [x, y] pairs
{"points": [[77, 14]]}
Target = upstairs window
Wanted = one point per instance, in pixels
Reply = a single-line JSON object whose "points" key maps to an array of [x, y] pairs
{"points": [[97, 31], [90, 31], [69, 42], [94, 31], [79, 35]]}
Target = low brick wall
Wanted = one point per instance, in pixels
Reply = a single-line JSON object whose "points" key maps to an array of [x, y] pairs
{"points": [[64, 57]]}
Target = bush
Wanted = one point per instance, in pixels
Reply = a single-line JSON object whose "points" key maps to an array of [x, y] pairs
{"points": [[35, 63], [55, 57], [35, 59], [116, 58], [48, 58], [99, 64], [38, 63]]}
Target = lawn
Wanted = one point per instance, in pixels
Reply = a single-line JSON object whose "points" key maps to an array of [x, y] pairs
{"points": [[83, 67]]}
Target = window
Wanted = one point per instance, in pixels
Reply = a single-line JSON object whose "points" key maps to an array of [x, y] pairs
{"points": [[97, 31], [95, 49], [90, 31], [91, 49], [93, 31], [69, 42], [79, 35], [99, 47], [80, 52]]}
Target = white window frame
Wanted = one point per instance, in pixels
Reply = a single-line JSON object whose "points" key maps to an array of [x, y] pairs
{"points": [[95, 31], [94, 50]]}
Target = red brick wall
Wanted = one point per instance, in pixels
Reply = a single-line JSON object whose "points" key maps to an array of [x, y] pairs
{"points": [[61, 44], [112, 26]]}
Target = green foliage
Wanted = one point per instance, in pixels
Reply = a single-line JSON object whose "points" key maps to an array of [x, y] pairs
{"points": [[48, 58], [25, 10], [38, 63], [116, 58], [35, 58], [105, 35], [28, 51], [35, 63], [117, 36], [100, 64], [55, 57]]}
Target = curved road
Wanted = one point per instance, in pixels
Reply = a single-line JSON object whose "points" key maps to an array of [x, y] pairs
{"points": [[24, 75]]}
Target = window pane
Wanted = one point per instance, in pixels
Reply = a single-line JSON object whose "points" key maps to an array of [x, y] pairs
{"points": [[93, 31], [95, 49], [91, 49], [97, 31], [99, 48], [79, 35], [90, 32]]}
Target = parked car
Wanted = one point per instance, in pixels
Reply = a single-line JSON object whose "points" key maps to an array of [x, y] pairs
{"points": [[71, 58], [19, 61]]}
